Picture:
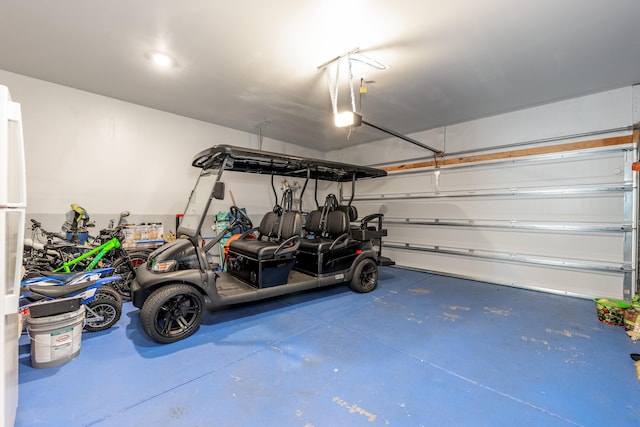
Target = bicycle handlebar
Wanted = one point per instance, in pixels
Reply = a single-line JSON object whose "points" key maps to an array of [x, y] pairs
{"points": [[37, 225], [110, 233]]}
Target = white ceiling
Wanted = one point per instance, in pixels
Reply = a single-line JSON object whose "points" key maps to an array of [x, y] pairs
{"points": [[245, 63]]}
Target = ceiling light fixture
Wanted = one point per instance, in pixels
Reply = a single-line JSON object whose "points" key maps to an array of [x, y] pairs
{"points": [[351, 119], [358, 57], [162, 60], [347, 119]]}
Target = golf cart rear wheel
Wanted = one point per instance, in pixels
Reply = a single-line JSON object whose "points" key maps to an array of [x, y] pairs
{"points": [[172, 313], [365, 277]]}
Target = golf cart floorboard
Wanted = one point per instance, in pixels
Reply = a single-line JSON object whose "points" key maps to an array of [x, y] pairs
{"points": [[231, 287], [228, 286]]}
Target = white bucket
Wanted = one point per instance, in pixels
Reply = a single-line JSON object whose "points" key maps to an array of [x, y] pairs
{"points": [[55, 339]]}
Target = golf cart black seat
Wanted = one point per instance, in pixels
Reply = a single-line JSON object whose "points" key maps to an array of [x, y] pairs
{"points": [[350, 210], [268, 228], [315, 225], [278, 237], [334, 235], [266, 261]]}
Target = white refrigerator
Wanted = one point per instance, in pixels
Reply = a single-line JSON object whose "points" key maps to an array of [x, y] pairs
{"points": [[13, 202]]}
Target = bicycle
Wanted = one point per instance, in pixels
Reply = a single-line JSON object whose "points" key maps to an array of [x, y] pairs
{"points": [[65, 257], [103, 304], [45, 250]]}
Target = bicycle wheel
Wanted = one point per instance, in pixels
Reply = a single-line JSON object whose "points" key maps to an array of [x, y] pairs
{"points": [[108, 292], [123, 268], [108, 310], [138, 258]]}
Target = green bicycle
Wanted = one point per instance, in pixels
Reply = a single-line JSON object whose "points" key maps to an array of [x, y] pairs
{"points": [[95, 255], [109, 253]]}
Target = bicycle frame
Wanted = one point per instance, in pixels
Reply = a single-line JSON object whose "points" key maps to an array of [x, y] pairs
{"points": [[99, 253]]}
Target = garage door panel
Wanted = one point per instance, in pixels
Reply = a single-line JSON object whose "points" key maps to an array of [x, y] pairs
{"points": [[575, 282], [561, 222]]}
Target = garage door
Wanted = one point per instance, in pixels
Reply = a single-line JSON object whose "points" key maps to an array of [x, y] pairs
{"points": [[559, 218]]}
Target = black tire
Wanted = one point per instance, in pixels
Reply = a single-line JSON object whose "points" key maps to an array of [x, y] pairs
{"points": [[106, 307], [123, 269], [365, 276], [138, 258], [126, 269], [172, 313], [106, 291]]}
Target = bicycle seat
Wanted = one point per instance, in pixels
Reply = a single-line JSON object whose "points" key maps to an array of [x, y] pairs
{"points": [[59, 291]]}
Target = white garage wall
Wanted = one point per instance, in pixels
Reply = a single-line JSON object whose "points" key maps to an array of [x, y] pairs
{"points": [[108, 155], [564, 223]]}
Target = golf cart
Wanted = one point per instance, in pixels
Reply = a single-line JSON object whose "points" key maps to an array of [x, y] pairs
{"points": [[280, 256]]}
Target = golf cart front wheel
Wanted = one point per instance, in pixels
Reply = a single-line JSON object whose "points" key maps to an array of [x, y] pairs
{"points": [[172, 313], [365, 276]]}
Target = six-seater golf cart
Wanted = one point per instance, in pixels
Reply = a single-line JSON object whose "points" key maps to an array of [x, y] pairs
{"points": [[280, 256]]}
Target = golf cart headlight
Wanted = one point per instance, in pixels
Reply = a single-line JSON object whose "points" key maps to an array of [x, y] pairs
{"points": [[163, 266]]}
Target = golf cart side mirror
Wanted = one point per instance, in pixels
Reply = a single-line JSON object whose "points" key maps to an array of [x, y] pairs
{"points": [[218, 190]]}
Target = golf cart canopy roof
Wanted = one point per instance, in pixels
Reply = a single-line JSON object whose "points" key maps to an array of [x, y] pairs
{"points": [[264, 162]]}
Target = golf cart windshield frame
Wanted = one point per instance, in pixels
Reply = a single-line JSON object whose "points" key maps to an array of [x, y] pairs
{"points": [[199, 202]]}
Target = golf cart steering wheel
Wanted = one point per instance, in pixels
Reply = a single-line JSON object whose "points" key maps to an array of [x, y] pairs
{"points": [[241, 218]]}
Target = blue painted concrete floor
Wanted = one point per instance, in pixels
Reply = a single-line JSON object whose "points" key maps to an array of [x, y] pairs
{"points": [[420, 350]]}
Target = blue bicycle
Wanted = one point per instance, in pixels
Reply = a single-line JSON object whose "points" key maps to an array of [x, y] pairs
{"points": [[39, 298]]}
